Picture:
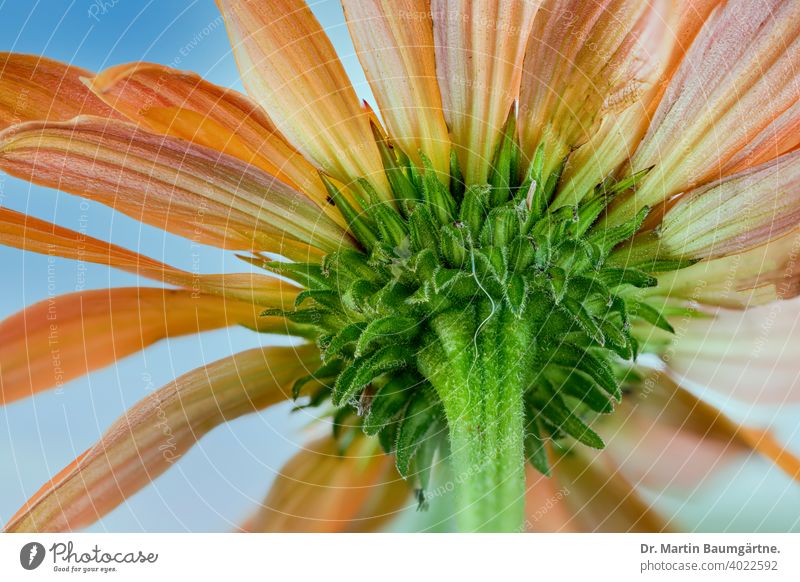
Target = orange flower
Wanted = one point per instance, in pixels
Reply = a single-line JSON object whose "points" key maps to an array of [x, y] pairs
{"points": [[474, 272]]}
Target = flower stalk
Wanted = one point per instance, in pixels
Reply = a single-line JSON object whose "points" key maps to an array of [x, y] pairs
{"points": [[480, 364]]}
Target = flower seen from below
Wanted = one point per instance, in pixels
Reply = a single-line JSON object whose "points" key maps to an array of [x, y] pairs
{"points": [[515, 285]]}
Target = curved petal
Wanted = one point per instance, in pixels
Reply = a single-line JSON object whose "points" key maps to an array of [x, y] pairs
{"points": [[290, 68], [706, 421], [545, 510], [167, 182], [755, 277], [184, 105], [691, 16], [619, 133], [34, 235], [157, 431], [766, 444], [479, 49], [587, 62], [605, 151], [67, 336], [321, 490], [34, 87], [662, 440], [394, 42], [665, 440], [737, 213], [602, 500], [781, 135], [738, 80], [750, 356]]}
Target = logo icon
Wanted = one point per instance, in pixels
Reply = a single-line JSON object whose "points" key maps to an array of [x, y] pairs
{"points": [[31, 555]]}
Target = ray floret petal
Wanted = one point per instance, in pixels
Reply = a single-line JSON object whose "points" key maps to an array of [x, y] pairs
{"points": [[136, 449]]}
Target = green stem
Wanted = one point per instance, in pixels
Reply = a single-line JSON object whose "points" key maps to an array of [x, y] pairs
{"points": [[479, 362]]}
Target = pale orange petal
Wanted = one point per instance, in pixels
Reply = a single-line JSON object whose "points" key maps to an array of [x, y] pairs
{"points": [[606, 150], [157, 431], [619, 133], [385, 503], [290, 68], [587, 62], [170, 183], [738, 80], [666, 440], [394, 42], [663, 440], [479, 49], [33, 235], [704, 419], [781, 135], [737, 213], [755, 277], [183, 104], [603, 501], [750, 356], [545, 507], [321, 491], [34, 87], [691, 16], [67, 336]]}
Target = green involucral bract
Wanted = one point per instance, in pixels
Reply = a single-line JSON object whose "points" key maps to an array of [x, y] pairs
{"points": [[477, 325]]}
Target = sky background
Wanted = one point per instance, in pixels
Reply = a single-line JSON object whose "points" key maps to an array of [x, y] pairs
{"points": [[220, 480]]}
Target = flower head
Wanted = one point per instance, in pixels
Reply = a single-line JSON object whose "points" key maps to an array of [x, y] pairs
{"points": [[517, 262]]}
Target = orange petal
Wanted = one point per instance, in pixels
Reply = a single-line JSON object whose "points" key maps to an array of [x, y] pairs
{"points": [[766, 444], [545, 510], [321, 491], [183, 104], [781, 135], [712, 423], [479, 49], [587, 62], [755, 277], [34, 235], [692, 15], [738, 80], [34, 87], [290, 68], [157, 431], [394, 42], [750, 356], [605, 150], [666, 440], [603, 501], [619, 133], [686, 19], [67, 336], [737, 213], [661, 439], [170, 183]]}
